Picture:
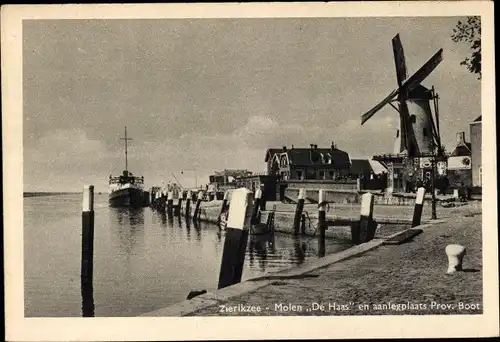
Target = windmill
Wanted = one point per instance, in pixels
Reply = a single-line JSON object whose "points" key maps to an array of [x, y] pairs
{"points": [[419, 131]]}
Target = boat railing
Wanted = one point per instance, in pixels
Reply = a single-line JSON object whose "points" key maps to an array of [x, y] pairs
{"points": [[124, 180]]}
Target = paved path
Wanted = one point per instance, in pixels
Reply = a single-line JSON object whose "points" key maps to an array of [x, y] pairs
{"points": [[405, 279]]}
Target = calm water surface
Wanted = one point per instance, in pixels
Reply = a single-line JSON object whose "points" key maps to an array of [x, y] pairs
{"points": [[142, 260]]}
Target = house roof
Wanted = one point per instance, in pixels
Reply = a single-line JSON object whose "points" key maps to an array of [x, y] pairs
{"points": [[365, 166], [462, 150], [479, 119], [360, 166], [314, 156], [271, 152]]}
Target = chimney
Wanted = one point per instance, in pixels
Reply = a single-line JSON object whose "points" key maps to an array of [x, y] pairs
{"points": [[333, 146], [461, 138], [292, 146], [284, 148], [311, 146], [315, 147]]}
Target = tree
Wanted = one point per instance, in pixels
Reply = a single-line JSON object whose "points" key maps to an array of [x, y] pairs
{"points": [[470, 32]]}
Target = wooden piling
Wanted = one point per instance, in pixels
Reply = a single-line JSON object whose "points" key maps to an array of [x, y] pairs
{"points": [[87, 265], [189, 195], [321, 222], [366, 218], [157, 200], [236, 237], [298, 211], [303, 225], [256, 207], [178, 207], [196, 213], [170, 203], [224, 206], [419, 203]]}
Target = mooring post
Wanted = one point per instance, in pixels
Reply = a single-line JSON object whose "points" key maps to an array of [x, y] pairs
{"points": [[419, 203], [256, 207], [170, 203], [321, 222], [236, 237], [158, 200], [298, 211], [198, 204], [189, 195], [455, 255], [224, 202], [366, 218], [177, 211], [263, 198], [87, 267], [303, 225]]}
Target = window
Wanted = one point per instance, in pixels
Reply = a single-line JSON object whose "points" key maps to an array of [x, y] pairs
{"points": [[413, 118], [322, 175], [328, 158], [425, 131], [299, 175], [331, 174], [310, 173]]}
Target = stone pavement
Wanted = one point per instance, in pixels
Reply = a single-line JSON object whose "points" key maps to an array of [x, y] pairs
{"points": [[406, 279]]}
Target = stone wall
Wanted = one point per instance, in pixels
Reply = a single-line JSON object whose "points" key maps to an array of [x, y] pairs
{"points": [[323, 184]]}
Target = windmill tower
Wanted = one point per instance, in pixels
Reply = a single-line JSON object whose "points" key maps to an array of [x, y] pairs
{"points": [[418, 131]]}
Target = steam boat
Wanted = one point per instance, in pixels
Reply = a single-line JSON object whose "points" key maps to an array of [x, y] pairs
{"points": [[126, 190]]}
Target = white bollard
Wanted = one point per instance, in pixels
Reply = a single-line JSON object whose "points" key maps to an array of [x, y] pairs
{"points": [[455, 255]]}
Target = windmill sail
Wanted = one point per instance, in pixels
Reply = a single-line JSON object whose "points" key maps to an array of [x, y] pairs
{"points": [[424, 71], [399, 59], [379, 106]]}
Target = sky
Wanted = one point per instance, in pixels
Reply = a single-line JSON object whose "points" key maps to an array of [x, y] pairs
{"points": [[201, 95]]}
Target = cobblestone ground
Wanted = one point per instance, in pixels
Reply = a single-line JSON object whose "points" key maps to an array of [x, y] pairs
{"points": [[406, 279]]}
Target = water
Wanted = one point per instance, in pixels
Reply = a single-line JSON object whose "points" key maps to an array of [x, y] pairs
{"points": [[142, 260]]}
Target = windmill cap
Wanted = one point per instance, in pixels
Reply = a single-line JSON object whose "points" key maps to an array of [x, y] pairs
{"points": [[420, 93]]}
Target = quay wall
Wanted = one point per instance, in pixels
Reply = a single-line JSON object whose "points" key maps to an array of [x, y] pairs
{"points": [[324, 184], [354, 196], [284, 216]]}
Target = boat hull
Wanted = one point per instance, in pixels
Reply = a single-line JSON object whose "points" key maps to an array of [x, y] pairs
{"points": [[128, 197]]}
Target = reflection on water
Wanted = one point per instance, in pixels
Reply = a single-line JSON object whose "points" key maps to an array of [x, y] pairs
{"points": [[143, 259], [130, 228], [263, 248]]}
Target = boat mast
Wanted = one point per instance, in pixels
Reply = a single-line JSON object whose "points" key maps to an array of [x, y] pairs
{"points": [[126, 146]]}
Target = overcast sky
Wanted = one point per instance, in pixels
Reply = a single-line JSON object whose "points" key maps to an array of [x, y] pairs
{"points": [[210, 94]]}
